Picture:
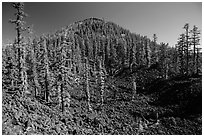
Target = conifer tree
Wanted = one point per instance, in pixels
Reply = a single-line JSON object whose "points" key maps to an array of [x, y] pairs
{"points": [[47, 71], [60, 89], [131, 54], [112, 56], [147, 52], [163, 58], [10, 76], [34, 68], [186, 27], [155, 49], [87, 83], [197, 59], [78, 57], [140, 52], [181, 48], [134, 53], [64, 76], [24, 75], [134, 84], [102, 75], [107, 54], [195, 42], [19, 22], [95, 52]]}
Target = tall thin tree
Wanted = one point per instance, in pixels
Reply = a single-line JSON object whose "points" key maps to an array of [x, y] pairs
{"points": [[186, 27], [19, 22], [195, 38], [47, 71], [87, 83], [181, 44], [147, 52], [155, 47], [34, 68]]}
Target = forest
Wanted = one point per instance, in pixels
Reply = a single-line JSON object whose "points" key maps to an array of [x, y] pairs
{"points": [[94, 77]]}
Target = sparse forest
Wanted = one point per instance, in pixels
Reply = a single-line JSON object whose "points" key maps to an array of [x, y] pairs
{"points": [[95, 77]]}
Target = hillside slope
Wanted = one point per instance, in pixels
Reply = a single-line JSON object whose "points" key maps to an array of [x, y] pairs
{"points": [[119, 115], [80, 81]]}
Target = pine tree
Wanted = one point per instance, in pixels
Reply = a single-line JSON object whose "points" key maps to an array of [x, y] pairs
{"points": [[24, 75], [87, 83], [107, 54], [20, 14], [186, 27], [95, 52], [112, 57], [61, 89], [64, 76], [78, 57], [120, 50], [134, 84], [102, 75], [102, 50], [181, 45], [147, 52], [141, 60], [73, 57], [131, 55], [10, 76], [47, 71], [34, 68], [195, 42], [163, 58], [134, 53], [155, 49], [197, 59]]}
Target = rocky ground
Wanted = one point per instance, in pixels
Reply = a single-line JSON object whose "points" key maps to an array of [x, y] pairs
{"points": [[172, 106]]}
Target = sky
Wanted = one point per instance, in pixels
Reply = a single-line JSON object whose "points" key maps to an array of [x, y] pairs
{"points": [[164, 19]]}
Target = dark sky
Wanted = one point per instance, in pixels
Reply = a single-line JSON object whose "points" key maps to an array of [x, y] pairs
{"points": [[165, 19]]}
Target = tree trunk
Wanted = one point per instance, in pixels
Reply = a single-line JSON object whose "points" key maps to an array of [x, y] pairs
{"points": [[87, 84], [23, 71], [102, 82], [35, 75], [62, 99], [134, 88], [47, 75]]}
